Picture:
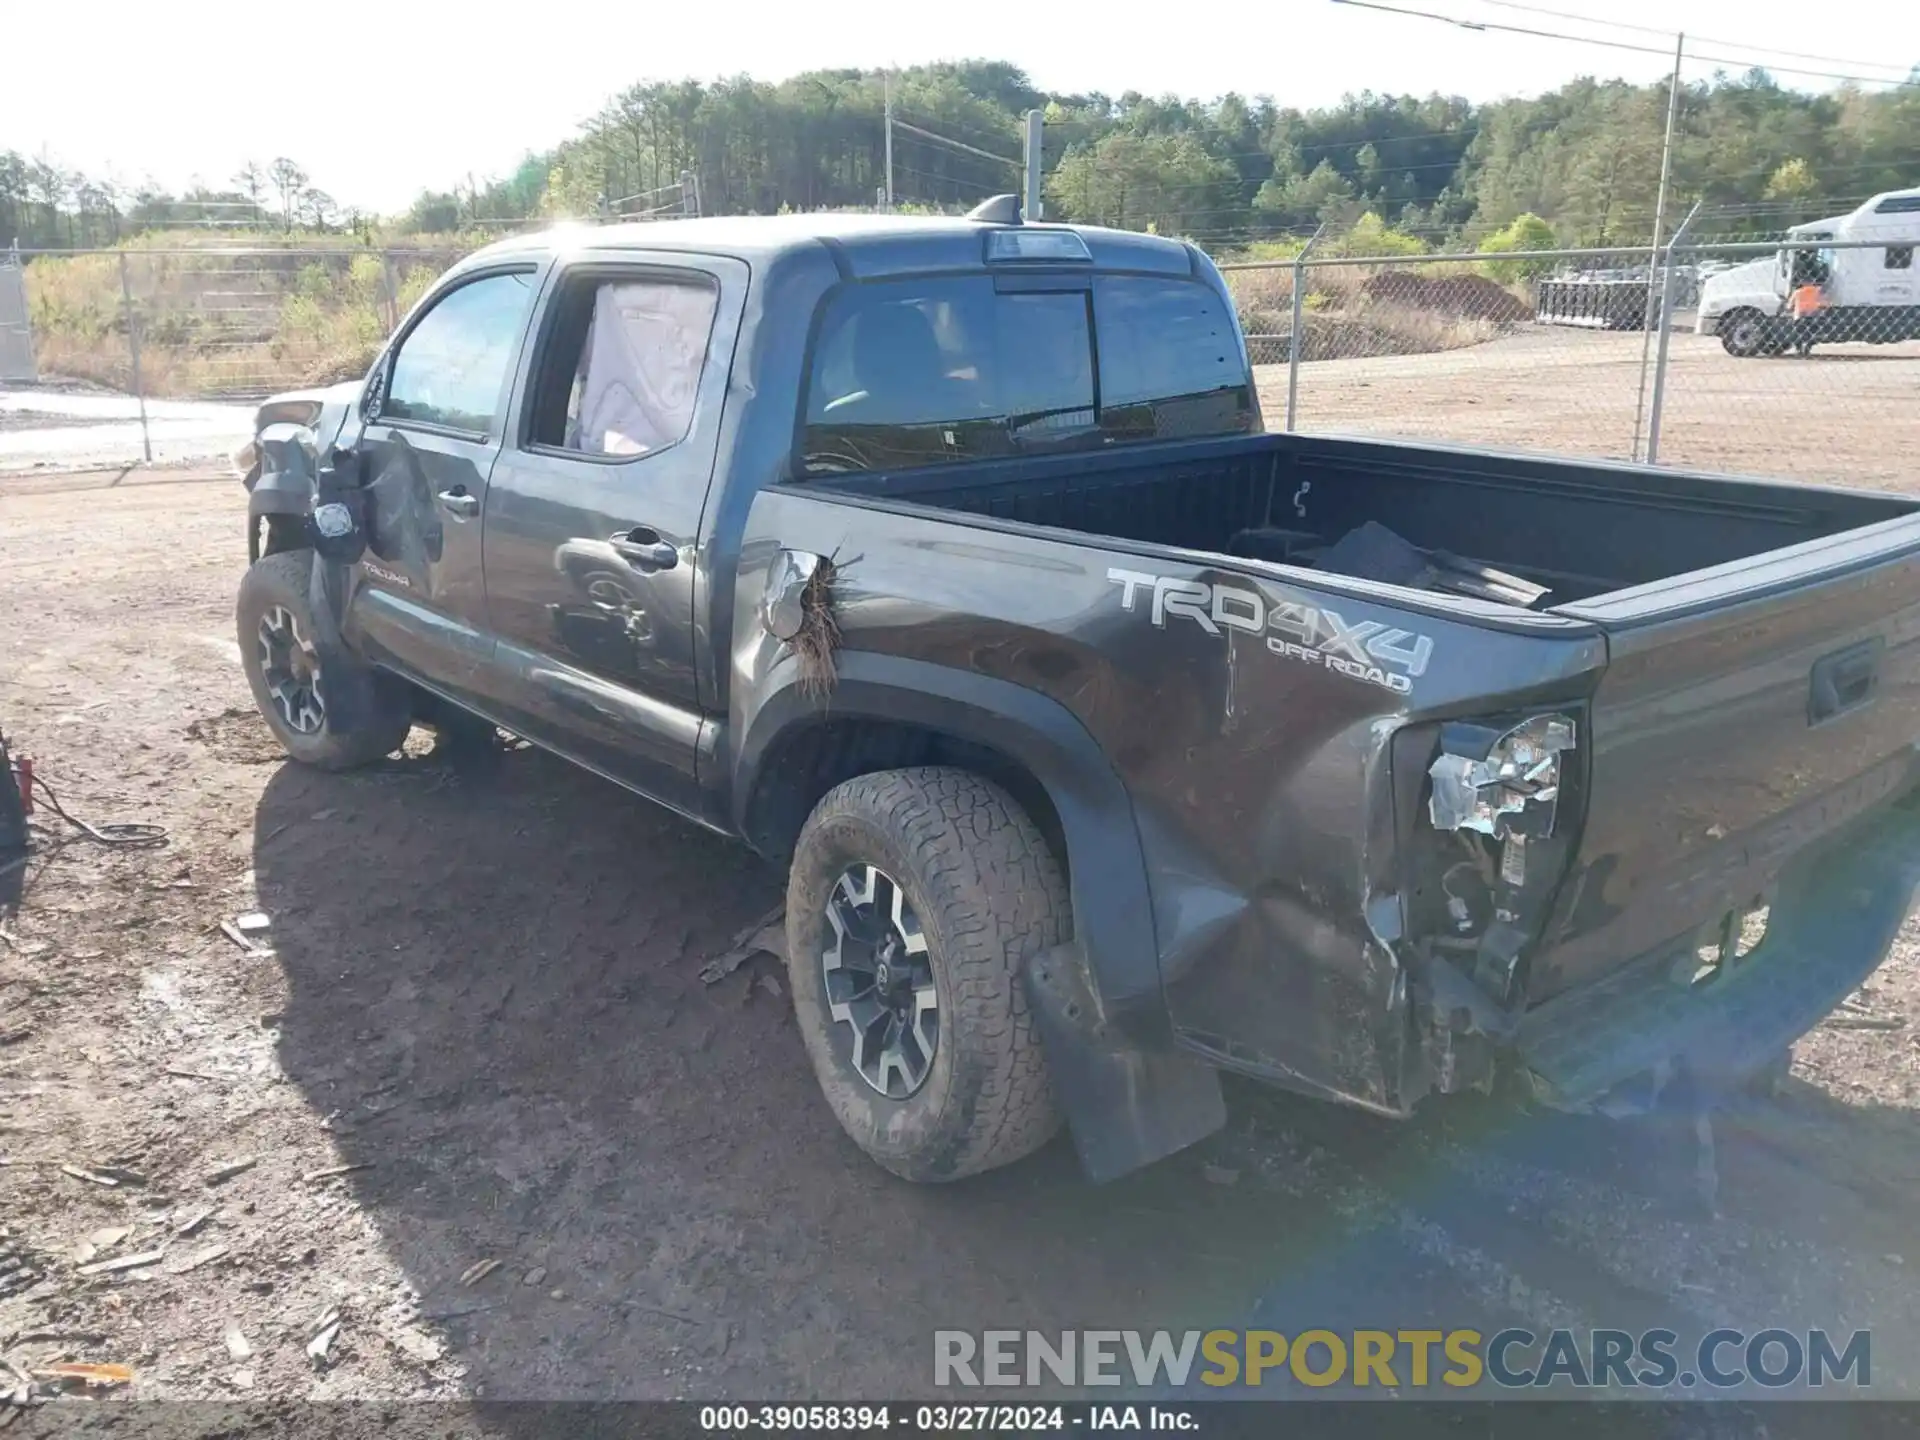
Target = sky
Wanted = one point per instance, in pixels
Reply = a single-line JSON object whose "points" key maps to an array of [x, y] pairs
{"points": [[378, 102]]}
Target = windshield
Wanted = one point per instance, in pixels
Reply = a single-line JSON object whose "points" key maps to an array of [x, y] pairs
{"points": [[918, 372]]}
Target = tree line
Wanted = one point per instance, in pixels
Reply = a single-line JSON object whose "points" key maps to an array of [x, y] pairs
{"points": [[1580, 163]]}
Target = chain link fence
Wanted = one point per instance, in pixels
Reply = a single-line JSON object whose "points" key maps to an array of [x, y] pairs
{"points": [[157, 353], [1532, 351], [1828, 394], [1695, 359]]}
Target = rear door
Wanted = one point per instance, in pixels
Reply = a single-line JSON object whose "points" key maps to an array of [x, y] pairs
{"points": [[1745, 714], [593, 515], [432, 432]]}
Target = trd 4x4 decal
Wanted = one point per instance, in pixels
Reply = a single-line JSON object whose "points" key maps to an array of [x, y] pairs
{"points": [[1364, 650]]}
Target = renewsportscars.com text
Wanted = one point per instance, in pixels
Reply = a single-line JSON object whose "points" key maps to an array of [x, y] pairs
{"points": [[1399, 1359]]}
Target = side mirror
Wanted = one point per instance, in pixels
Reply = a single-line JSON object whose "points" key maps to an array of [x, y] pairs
{"points": [[374, 391]]}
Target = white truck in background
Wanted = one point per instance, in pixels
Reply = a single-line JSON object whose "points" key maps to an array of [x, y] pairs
{"points": [[1867, 271]]}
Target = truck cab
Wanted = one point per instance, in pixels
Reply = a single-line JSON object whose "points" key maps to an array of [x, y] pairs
{"points": [[1862, 260]]}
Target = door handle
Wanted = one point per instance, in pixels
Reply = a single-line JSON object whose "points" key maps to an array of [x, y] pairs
{"points": [[644, 549], [458, 502]]}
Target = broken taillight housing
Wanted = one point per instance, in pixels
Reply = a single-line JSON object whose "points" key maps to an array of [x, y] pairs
{"points": [[1483, 776], [1495, 793]]}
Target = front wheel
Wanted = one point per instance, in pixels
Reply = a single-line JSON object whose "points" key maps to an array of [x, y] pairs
{"points": [[915, 898], [1744, 333], [291, 684]]}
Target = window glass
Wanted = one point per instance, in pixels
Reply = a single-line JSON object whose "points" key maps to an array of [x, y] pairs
{"points": [[1899, 257], [936, 370], [917, 372], [1898, 205], [452, 367], [1170, 360], [636, 368]]}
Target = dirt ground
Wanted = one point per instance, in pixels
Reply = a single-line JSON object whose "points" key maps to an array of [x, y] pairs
{"points": [[1843, 415], [480, 1035]]}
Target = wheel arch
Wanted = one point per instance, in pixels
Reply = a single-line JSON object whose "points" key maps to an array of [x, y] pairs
{"points": [[888, 712]]}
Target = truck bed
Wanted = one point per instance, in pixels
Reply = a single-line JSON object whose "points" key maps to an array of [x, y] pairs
{"points": [[1579, 529], [1740, 661]]}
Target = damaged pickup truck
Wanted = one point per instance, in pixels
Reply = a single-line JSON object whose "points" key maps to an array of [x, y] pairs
{"points": [[1109, 741]]}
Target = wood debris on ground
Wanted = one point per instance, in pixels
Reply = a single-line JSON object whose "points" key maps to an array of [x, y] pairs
{"points": [[222, 1173], [98, 1241], [232, 932], [87, 1373], [194, 1221], [322, 1335], [478, 1271], [331, 1171], [92, 1177], [766, 935], [124, 1262]]}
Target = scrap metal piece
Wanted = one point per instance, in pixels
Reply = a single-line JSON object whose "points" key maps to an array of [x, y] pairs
{"points": [[1482, 777]]}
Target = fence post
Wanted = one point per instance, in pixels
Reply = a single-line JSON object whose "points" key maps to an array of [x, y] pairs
{"points": [[391, 292], [1293, 338], [133, 345], [19, 268], [1658, 402]]}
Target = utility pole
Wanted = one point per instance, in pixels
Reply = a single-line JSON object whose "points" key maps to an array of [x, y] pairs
{"points": [[1653, 314], [1030, 210], [887, 80], [1666, 150]]}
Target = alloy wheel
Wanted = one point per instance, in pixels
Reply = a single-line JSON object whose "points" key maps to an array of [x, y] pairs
{"points": [[878, 975], [291, 668]]}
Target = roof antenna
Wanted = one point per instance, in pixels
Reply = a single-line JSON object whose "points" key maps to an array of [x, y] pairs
{"points": [[1000, 210]]}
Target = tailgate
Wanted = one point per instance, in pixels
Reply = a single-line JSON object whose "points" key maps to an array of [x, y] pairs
{"points": [[1746, 713]]}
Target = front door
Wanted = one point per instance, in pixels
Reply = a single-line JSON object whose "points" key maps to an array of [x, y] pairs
{"points": [[592, 520], [429, 442]]}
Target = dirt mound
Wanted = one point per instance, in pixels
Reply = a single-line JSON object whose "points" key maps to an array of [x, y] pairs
{"points": [[1470, 296]]}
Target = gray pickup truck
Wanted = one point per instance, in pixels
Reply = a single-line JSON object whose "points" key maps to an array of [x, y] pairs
{"points": [[1110, 742]]}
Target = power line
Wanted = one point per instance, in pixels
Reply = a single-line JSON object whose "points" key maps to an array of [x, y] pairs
{"points": [[900, 124], [970, 131], [1495, 26], [1707, 39]]}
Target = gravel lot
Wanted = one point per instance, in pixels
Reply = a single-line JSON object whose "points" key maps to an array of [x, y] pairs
{"points": [[1846, 415], [482, 1014]]}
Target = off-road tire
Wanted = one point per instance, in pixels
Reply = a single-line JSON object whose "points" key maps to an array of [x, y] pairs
{"points": [[989, 895], [282, 580]]}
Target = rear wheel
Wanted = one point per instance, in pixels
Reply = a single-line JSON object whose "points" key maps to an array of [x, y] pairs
{"points": [[291, 683], [915, 898]]}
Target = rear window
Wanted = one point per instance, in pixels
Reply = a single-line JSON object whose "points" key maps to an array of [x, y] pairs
{"points": [[1170, 361], [918, 372]]}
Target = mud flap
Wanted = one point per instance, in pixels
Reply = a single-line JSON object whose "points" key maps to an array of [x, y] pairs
{"points": [[1127, 1104]]}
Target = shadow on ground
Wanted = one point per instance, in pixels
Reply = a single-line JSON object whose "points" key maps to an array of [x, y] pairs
{"points": [[494, 993], [493, 988]]}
